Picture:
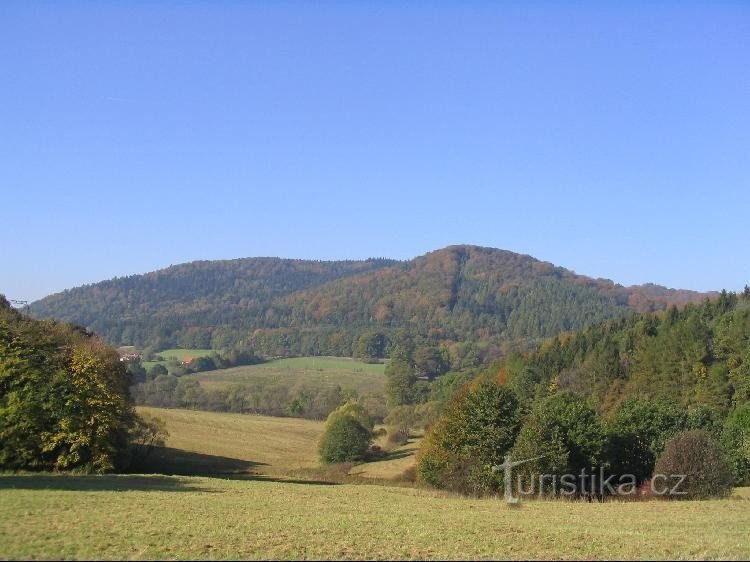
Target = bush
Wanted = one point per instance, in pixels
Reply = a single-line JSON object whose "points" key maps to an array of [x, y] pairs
{"points": [[408, 475], [344, 439], [354, 410], [696, 455], [146, 433], [157, 370], [403, 420], [397, 436]]}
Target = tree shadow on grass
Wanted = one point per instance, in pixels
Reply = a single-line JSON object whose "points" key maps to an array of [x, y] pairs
{"points": [[283, 480], [397, 455], [99, 483], [159, 472], [166, 460]]}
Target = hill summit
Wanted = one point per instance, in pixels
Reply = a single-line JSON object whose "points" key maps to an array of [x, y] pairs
{"points": [[304, 307]]}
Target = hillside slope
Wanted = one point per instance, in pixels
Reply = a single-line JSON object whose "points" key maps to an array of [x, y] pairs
{"points": [[295, 307], [223, 297], [695, 356]]}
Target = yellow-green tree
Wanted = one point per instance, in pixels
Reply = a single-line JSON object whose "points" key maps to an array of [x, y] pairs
{"points": [[64, 401], [347, 434]]}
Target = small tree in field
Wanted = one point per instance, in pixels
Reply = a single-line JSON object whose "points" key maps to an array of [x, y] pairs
{"points": [[347, 434], [344, 440], [696, 455]]}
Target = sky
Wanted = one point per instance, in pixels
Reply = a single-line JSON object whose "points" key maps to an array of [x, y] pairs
{"points": [[609, 138]]}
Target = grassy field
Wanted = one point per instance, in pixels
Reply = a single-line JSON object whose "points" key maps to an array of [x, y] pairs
{"points": [[257, 509], [209, 442], [314, 371], [141, 517], [179, 354], [393, 467]]}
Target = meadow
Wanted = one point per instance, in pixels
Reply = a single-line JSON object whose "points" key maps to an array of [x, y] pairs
{"points": [[265, 499], [318, 372], [223, 443], [143, 517], [179, 354], [211, 443]]}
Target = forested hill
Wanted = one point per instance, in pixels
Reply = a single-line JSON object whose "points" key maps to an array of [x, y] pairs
{"points": [[296, 307], [698, 355], [194, 302]]}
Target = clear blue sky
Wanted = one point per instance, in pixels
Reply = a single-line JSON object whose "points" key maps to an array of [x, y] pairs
{"points": [[609, 138]]}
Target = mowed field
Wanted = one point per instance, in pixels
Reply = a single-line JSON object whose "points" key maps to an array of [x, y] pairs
{"points": [[211, 443], [201, 443], [315, 372], [255, 507], [143, 517]]}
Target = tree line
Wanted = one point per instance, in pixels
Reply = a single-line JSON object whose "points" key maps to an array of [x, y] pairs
{"points": [[664, 391]]}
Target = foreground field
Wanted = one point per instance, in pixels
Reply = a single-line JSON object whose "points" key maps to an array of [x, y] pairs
{"points": [[211, 443], [317, 372], [180, 517]]}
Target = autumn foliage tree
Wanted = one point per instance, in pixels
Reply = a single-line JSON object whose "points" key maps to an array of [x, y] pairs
{"points": [[696, 456], [64, 401], [476, 430]]}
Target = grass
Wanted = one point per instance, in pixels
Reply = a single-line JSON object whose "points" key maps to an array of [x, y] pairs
{"points": [[398, 461], [263, 513], [206, 442], [138, 517], [318, 372], [179, 354]]}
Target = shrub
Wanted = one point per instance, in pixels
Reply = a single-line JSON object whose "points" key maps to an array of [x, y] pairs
{"points": [[403, 420], [344, 439], [354, 410], [145, 434], [397, 436], [408, 475], [157, 370], [696, 455]]}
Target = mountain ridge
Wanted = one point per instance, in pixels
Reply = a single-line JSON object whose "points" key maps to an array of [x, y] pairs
{"points": [[458, 293]]}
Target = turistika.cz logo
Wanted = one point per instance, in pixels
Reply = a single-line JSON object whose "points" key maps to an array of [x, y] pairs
{"points": [[585, 483]]}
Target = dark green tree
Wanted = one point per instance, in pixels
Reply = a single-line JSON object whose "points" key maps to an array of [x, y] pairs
{"points": [[400, 378], [371, 346], [346, 437], [735, 443], [638, 430], [566, 433]]}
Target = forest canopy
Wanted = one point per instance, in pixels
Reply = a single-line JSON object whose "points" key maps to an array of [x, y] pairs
{"points": [[284, 307]]}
